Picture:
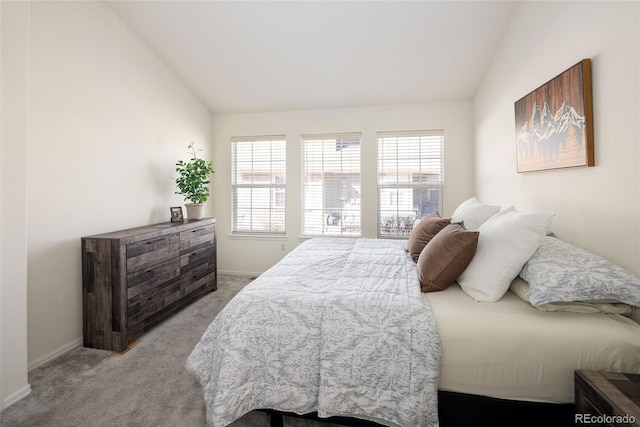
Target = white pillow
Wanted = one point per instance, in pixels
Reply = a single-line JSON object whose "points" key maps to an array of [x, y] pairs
{"points": [[473, 213], [507, 241]]}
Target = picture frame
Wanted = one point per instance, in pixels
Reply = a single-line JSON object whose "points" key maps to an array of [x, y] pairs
{"points": [[554, 123], [176, 214]]}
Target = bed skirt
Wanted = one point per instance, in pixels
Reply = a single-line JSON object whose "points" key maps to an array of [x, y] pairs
{"points": [[467, 410]]}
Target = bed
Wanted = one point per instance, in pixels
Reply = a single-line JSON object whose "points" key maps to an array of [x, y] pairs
{"points": [[340, 327]]}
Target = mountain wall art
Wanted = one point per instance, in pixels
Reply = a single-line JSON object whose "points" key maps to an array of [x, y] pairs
{"points": [[554, 123]]}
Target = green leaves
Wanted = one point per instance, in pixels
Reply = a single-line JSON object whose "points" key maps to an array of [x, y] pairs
{"points": [[193, 180]]}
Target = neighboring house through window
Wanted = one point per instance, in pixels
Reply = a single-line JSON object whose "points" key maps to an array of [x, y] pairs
{"points": [[410, 179], [331, 184]]}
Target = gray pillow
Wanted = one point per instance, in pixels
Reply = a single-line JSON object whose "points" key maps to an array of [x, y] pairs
{"points": [[520, 288], [559, 271]]}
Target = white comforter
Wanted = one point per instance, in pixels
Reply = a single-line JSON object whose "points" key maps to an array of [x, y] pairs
{"points": [[338, 327]]}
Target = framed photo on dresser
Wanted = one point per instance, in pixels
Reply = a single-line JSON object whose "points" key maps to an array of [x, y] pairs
{"points": [[176, 214]]}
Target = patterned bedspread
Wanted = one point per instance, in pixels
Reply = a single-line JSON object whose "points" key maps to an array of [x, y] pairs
{"points": [[338, 327]]}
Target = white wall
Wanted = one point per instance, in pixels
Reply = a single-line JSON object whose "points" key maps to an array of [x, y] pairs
{"points": [[14, 89], [256, 255], [596, 208], [107, 122]]}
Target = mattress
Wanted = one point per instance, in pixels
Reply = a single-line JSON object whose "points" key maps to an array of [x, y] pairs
{"points": [[510, 350]]}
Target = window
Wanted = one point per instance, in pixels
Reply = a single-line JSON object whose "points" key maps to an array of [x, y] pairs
{"points": [[331, 184], [410, 179], [258, 167]]}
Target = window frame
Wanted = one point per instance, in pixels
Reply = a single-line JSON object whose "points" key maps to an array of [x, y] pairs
{"points": [[332, 140], [403, 225], [277, 189]]}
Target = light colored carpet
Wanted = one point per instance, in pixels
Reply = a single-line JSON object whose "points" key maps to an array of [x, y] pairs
{"points": [[146, 386]]}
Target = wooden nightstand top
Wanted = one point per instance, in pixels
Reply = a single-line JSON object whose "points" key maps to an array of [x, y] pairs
{"points": [[614, 394]]}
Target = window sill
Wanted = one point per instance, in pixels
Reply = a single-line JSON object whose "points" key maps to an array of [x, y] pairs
{"points": [[257, 236], [326, 236]]}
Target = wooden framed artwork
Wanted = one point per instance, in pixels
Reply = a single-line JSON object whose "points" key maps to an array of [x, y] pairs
{"points": [[554, 123]]}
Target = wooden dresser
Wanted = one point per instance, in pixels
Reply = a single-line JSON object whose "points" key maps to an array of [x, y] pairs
{"points": [[133, 279], [607, 398]]}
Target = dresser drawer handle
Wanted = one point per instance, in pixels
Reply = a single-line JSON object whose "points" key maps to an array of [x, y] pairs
{"points": [[200, 275], [155, 240]]}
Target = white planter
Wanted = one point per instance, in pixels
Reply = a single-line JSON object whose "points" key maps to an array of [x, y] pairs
{"points": [[195, 211]]}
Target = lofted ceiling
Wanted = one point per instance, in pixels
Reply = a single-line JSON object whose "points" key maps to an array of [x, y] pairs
{"points": [[246, 56]]}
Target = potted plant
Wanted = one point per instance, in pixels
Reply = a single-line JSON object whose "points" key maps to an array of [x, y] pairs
{"points": [[193, 182]]}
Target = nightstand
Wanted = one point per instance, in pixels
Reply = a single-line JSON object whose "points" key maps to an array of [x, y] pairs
{"points": [[607, 399]]}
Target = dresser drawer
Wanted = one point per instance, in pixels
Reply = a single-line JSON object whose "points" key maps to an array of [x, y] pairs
{"points": [[198, 270], [192, 259], [202, 279], [143, 283], [198, 237], [144, 254], [150, 292]]}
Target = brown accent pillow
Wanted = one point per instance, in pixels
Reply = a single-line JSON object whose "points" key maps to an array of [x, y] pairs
{"points": [[446, 256], [423, 232]]}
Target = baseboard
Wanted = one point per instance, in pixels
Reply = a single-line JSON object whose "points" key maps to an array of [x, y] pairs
{"points": [[78, 342], [239, 273], [14, 397], [26, 390], [55, 353]]}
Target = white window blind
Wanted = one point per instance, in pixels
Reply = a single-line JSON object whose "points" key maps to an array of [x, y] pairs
{"points": [[410, 179], [331, 184], [258, 182]]}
